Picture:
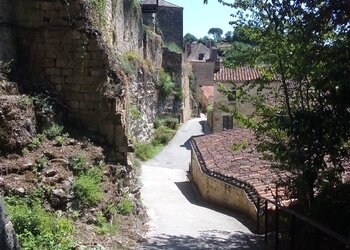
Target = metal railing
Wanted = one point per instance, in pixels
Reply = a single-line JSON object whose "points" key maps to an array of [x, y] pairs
{"points": [[286, 229]]}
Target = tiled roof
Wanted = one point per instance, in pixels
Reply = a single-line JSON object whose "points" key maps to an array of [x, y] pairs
{"points": [[161, 3], [241, 74], [208, 91], [245, 168]]}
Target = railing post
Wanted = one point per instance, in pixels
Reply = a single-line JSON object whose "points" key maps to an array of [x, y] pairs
{"points": [[276, 227], [266, 220], [258, 216]]}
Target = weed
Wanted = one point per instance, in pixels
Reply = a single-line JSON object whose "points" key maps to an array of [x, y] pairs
{"points": [[125, 206], [35, 143], [165, 84], [210, 108], [42, 104], [25, 101], [41, 163], [60, 140], [146, 151], [173, 47], [167, 121], [103, 226], [53, 131], [135, 112], [87, 190], [25, 151], [239, 146], [163, 135], [78, 164], [37, 228]]}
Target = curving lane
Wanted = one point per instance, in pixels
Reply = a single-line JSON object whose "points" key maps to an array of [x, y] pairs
{"points": [[179, 219]]}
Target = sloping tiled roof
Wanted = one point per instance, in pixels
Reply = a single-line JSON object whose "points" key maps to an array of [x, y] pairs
{"points": [[241, 74], [245, 168], [161, 3]]}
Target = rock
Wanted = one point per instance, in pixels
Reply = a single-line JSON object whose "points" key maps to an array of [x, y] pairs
{"points": [[58, 198], [20, 190], [50, 172], [18, 124]]}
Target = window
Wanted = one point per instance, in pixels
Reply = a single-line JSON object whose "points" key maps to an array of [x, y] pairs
{"points": [[227, 122]]}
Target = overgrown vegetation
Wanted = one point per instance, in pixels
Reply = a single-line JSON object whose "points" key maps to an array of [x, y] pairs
{"points": [[164, 130], [135, 112], [165, 85], [37, 228], [99, 6], [173, 47], [87, 187], [132, 7], [125, 206]]}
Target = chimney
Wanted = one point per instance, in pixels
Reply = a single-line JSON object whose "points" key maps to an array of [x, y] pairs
{"points": [[188, 48], [208, 44], [213, 54]]}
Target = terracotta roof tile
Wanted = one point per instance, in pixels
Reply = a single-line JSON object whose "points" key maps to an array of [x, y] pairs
{"points": [[241, 74], [242, 166]]}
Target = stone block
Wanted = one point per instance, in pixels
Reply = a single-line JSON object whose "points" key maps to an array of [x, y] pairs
{"points": [[86, 105], [67, 72], [93, 96], [64, 63], [88, 88], [72, 87], [51, 54], [73, 104], [58, 87], [57, 79], [53, 71]]}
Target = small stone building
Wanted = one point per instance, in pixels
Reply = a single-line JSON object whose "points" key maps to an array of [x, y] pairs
{"points": [[228, 171], [231, 79]]}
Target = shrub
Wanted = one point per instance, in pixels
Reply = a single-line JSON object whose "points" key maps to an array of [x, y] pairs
{"points": [[146, 151], [78, 164], [165, 85], [103, 226], [87, 190], [173, 47], [135, 112], [163, 134], [60, 140], [35, 143], [25, 101], [125, 206], [41, 163], [54, 131], [37, 228], [167, 121]]}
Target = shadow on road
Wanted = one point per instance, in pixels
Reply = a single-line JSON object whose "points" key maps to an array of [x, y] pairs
{"points": [[192, 195], [205, 130], [207, 240]]}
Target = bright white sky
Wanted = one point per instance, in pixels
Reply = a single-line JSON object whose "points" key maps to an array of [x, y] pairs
{"points": [[199, 18]]}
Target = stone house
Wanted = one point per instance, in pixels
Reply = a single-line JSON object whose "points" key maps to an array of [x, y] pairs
{"points": [[231, 79], [203, 62]]}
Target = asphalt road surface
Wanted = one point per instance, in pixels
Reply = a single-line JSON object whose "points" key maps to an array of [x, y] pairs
{"points": [[179, 219]]}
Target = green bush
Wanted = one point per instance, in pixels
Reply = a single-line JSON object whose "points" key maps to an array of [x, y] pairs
{"points": [[173, 47], [87, 190], [125, 206], [37, 228], [54, 131], [165, 85], [163, 134], [146, 151], [78, 164], [167, 121], [103, 226], [41, 163], [35, 143]]}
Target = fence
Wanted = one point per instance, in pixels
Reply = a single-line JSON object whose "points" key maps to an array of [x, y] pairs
{"points": [[285, 229]]}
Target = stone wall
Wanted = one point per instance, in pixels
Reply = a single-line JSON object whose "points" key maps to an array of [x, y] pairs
{"points": [[7, 44], [170, 20], [221, 193], [204, 73], [8, 240]]}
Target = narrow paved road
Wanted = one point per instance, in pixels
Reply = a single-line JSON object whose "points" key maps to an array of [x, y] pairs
{"points": [[179, 219]]}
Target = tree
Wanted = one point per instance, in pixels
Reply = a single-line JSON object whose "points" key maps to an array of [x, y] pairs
{"points": [[228, 36], [189, 38], [216, 33], [305, 45]]}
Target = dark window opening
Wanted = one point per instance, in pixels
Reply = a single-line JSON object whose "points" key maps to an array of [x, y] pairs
{"points": [[227, 122]]}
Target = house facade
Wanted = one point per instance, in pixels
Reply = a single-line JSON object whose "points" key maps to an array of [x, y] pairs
{"points": [[230, 80]]}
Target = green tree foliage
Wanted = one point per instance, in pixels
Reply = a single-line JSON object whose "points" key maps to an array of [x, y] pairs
{"points": [[216, 33], [189, 38], [305, 45]]}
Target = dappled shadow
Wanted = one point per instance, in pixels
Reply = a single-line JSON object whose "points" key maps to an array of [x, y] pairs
{"points": [[191, 193], [211, 239]]}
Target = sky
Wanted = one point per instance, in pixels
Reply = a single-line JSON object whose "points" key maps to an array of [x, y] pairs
{"points": [[199, 18]]}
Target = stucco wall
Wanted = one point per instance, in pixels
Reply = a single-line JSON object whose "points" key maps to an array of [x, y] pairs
{"points": [[219, 192]]}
